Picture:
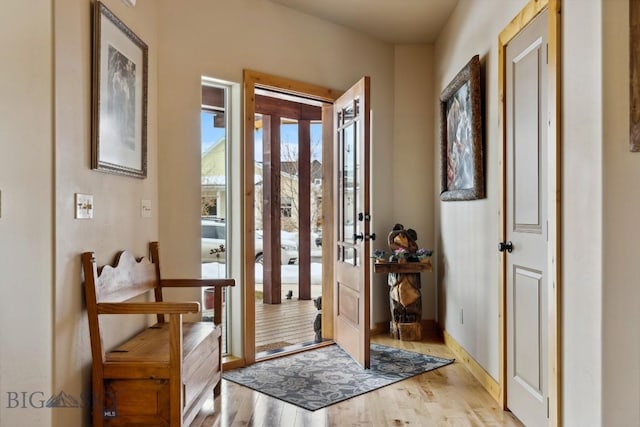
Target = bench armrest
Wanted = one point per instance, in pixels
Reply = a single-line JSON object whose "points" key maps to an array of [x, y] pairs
{"points": [[148, 307], [190, 283]]}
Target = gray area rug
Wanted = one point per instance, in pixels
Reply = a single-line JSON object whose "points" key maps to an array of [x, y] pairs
{"points": [[318, 378]]}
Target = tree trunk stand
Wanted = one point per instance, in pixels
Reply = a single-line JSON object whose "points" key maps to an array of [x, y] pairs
{"points": [[405, 298]]}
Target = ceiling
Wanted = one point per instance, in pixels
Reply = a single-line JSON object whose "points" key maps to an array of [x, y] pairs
{"points": [[393, 21]]}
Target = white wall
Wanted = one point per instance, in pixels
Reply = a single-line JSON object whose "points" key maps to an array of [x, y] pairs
{"points": [[219, 39], [26, 223], [621, 229], [467, 231], [117, 223]]}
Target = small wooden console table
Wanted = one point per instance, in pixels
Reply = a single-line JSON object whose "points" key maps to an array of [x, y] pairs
{"points": [[405, 297]]}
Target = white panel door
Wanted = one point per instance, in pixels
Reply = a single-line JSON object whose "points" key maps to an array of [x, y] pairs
{"points": [[526, 238]]}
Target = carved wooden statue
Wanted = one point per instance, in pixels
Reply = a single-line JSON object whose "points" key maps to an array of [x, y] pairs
{"points": [[405, 298], [399, 238]]}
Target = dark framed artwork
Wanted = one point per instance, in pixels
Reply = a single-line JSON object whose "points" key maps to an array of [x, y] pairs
{"points": [[462, 172], [119, 119]]}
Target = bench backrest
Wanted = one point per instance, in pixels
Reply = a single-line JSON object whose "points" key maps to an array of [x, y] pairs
{"points": [[127, 278]]}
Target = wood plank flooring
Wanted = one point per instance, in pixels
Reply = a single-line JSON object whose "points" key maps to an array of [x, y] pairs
{"points": [[289, 322], [448, 396]]}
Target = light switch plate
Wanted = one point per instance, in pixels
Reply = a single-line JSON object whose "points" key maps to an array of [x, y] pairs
{"points": [[145, 206], [84, 206]]}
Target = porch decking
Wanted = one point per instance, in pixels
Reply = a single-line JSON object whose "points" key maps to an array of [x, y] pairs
{"points": [[288, 323]]}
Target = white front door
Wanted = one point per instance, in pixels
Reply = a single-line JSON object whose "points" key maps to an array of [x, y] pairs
{"points": [[526, 221]]}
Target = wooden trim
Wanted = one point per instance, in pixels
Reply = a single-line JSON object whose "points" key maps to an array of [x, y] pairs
{"points": [[296, 350], [526, 15], [232, 362], [249, 308], [252, 80], [483, 377], [292, 87], [328, 255]]}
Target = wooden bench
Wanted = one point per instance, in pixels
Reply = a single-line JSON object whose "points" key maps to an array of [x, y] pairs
{"points": [[163, 375]]}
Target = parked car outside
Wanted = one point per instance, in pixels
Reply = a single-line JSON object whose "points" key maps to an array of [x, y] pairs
{"points": [[289, 251], [213, 244]]}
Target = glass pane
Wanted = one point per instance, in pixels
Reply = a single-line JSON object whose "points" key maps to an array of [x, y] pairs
{"points": [[289, 213], [348, 183], [316, 209], [213, 196], [213, 205], [258, 201], [348, 159]]}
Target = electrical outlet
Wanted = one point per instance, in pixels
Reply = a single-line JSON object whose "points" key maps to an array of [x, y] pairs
{"points": [[145, 206], [84, 206]]}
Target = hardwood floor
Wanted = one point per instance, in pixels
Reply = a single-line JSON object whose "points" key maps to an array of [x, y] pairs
{"points": [[448, 396]]}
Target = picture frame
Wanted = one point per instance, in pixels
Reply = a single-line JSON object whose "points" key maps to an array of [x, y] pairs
{"points": [[119, 89], [461, 146]]}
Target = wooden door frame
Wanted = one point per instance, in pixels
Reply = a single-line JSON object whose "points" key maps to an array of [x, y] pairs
{"points": [[251, 81], [526, 15]]}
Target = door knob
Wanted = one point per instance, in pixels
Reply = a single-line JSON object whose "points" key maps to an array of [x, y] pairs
{"points": [[363, 237], [505, 246]]}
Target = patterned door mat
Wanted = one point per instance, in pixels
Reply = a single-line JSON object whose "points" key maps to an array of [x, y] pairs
{"points": [[325, 376]]}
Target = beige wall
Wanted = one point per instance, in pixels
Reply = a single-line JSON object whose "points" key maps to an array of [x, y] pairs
{"points": [[26, 229], [117, 223], [413, 160], [621, 229], [467, 231], [220, 39]]}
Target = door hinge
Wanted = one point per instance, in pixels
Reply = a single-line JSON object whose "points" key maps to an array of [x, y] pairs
{"points": [[547, 49], [364, 216], [547, 407]]}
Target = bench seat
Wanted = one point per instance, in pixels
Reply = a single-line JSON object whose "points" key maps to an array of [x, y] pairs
{"points": [[152, 344]]}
